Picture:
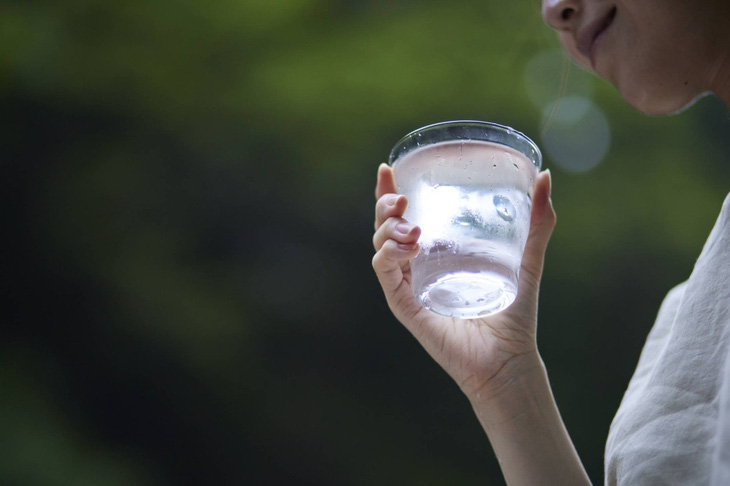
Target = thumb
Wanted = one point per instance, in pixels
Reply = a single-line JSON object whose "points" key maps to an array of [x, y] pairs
{"points": [[542, 222]]}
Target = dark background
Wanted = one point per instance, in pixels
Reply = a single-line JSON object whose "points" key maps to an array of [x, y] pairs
{"points": [[187, 199]]}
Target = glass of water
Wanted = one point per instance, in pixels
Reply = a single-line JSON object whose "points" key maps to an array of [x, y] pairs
{"points": [[469, 186]]}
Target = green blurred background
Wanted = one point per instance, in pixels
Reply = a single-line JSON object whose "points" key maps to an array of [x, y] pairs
{"points": [[187, 199]]}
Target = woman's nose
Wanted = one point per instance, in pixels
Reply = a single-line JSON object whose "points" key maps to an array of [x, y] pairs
{"points": [[559, 13]]}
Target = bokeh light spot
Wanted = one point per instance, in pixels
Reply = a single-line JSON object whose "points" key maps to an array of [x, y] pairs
{"points": [[576, 135]]}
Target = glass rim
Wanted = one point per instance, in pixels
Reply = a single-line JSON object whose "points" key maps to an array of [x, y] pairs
{"points": [[536, 159]]}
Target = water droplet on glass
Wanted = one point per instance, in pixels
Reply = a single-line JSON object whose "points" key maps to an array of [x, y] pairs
{"points": [[468, 218], [442, 245], [505, 208]]}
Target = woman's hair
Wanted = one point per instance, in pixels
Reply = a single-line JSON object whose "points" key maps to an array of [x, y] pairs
{"points": [[565, 71]]}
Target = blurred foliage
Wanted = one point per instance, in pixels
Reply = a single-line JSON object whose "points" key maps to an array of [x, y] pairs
{"points": [[187, 202]]}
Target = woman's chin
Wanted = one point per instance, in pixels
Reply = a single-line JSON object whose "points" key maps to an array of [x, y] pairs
{"points": [[658, 104]]}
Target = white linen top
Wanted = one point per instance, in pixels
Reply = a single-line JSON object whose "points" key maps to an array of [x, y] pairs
{"points": [[673, 425]]}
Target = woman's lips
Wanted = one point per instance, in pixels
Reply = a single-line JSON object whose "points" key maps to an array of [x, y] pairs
{"points": [[593, 33]]}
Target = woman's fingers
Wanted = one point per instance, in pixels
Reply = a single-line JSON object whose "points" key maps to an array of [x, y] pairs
{"points": [[389, 206], [387, 263], [388, 203], [542, 222], [398, 230], [395, 239]]}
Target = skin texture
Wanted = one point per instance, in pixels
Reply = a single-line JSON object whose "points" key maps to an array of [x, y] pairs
{"points": [[661, 55]]}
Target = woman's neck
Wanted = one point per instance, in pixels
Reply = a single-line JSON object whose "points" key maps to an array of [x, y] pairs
{"points": [[719, 73], [720, 78]]}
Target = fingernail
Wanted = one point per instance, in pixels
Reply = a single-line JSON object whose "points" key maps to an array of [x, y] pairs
{"points": [[391, 200], [404, 228], [406, 246]]}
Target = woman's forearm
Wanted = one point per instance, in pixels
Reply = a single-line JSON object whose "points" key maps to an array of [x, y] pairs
{"points": [[524, 427]]}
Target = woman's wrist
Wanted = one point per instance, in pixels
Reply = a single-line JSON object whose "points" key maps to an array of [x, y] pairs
{"points": [[520, 379], [522, 421]]}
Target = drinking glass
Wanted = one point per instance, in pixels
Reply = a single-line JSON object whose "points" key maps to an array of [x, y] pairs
{"points": [[469, 186]]}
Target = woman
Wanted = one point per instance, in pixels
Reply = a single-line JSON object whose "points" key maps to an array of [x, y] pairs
{"points": [[673, 426]]}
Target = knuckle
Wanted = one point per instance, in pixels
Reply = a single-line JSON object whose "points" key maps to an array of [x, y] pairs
{"points": [[379, 205], [375, 260], [379, 262], [381, 212], [385, 200], [388, 227], [379, 239]]}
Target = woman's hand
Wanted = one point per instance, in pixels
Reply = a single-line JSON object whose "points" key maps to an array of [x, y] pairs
{"points": [[481, 355], [494, 359]]}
